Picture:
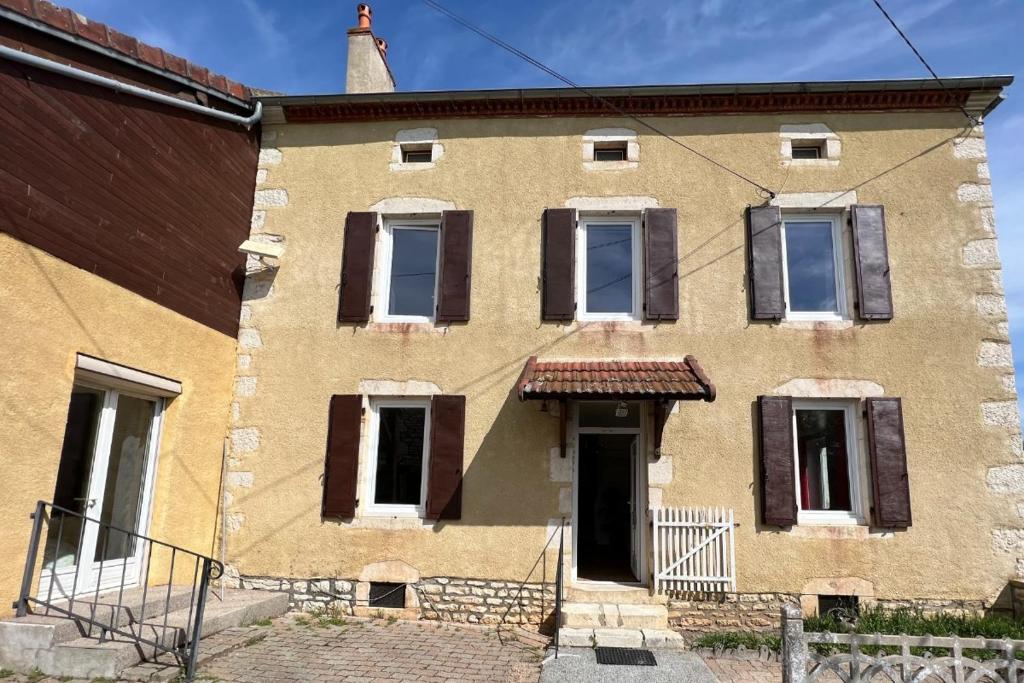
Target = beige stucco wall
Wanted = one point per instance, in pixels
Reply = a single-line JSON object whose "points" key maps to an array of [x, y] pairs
{"points": [[51, 311], [294, 355]]}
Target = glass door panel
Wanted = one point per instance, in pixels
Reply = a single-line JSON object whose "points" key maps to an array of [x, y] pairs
{"points": [[125, 477]]}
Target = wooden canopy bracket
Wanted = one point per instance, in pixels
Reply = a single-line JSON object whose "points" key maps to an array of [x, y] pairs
{"points": [[563, 421], [662, 410]]}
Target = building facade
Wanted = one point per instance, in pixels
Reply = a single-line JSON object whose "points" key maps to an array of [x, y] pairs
{"points": [[122, 282], [504, 313]]}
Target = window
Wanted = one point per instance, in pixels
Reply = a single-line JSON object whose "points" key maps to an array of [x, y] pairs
{"points": [[610, 151], [398, 457], [608, 269], [813, 273], [415, 154], [827, 476], [409, 252], [805, 151], [387, 594], [841, 607]]}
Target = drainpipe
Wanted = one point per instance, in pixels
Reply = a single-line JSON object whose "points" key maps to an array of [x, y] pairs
{"points": [[117, 86]]}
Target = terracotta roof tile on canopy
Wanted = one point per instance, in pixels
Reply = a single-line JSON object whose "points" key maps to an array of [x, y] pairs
{"points": [[664, 379]]}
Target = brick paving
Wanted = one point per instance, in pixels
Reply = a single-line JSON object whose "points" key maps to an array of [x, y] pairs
{"points": [[299, 648], [744, 670]]}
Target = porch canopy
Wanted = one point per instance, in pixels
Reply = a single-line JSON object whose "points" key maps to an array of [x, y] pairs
{"points": [[615, 380]]}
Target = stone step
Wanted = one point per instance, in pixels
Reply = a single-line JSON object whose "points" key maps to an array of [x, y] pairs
{"points": [[619, 595], [609, 615], [54, 627], [651, 638], [89, 658]]}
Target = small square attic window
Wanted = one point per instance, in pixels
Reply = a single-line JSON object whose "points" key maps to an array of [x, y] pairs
{"points": [[610, 151], [417, 154], [808, 151]]}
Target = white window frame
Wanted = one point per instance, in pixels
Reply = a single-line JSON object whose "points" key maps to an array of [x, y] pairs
{"points": [[582, 224], [371, 508], [838, 257], [855, 516], [385, 251]]}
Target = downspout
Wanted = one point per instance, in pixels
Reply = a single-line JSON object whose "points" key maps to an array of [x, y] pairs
{"points": [[118, 86]]}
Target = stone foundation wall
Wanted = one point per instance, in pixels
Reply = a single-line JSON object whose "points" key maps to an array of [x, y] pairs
{"points": [[441, 598], [485, 602], [763, 611]]}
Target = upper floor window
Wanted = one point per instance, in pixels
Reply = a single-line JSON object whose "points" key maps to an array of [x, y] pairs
{"points": [[409, 264], [415, 154], [608, 268], [828, 469], [610, 151], [813, 272]]}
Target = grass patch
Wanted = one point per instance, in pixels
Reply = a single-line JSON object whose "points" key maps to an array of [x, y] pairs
{"points": [[262, 622], [6, 673], [322, 618], [916, 622], [734, 640], [872, 620], [35, 675]]}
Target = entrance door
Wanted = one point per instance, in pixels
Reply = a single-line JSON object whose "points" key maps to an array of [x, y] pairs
{"points": [[106, 474], [609, 493]]}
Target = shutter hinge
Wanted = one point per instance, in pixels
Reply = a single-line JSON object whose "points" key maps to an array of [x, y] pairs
{"points": [[371, 308]]}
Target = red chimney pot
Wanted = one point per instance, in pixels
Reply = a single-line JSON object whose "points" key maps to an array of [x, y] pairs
{"points": [[365, 15]]}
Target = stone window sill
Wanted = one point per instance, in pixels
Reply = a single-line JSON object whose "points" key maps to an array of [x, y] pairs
{"points": [[407, 328]]}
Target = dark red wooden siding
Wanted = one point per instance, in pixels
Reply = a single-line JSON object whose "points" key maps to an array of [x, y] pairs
{"points": [[341, 467], [447, 433], [152, 198]]}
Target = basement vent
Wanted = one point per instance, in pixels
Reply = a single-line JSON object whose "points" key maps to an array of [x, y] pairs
{"points": [[841, 607], [383, 594], [625, 656]]}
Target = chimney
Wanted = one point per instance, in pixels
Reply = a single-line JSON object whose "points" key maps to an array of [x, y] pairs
{"points": [[367, 70]]}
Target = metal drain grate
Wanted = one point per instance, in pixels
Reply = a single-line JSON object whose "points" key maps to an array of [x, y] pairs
{"points": [[627, 656]]}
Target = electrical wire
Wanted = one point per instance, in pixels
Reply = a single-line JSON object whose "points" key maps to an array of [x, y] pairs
{"points": [[465, 23], [974, 121]]}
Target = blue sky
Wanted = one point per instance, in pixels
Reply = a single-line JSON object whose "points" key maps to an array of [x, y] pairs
{"points": [[299, 47]]}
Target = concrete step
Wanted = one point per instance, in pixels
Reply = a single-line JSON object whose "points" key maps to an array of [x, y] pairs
{"points": [[620, 637], [609, 615], [53, 627], [619, 595], [88, 658]]}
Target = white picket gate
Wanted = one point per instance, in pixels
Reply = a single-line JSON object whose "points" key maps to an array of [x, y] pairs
{"points": [[694, 550]]}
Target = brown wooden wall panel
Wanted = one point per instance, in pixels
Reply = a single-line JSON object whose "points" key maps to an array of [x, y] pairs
{"points": [[152, 198]]}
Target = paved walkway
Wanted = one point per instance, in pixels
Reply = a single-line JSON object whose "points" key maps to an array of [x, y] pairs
{"points": [[744, 671], [579, 665]]}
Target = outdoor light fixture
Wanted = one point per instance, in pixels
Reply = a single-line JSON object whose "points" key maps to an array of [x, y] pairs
{"points": [[621, 410]]}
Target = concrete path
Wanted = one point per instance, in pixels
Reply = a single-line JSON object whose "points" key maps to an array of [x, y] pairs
{"points": [[579, 665]]}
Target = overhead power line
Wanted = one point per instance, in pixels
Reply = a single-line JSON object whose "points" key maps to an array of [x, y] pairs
{"points": [[974, 121], [603, 100]]}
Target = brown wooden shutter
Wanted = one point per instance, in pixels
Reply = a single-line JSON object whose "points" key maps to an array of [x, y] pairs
{"points": [[661, 265], [444, 481], [357, 267], [558, 287], [456, 259], [887, 447], [764, 235], [871, 256], [778, 485], [342, 461]]}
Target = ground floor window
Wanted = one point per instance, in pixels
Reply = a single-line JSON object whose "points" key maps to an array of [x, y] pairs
{"points": [[827, 462], [399, 448]]}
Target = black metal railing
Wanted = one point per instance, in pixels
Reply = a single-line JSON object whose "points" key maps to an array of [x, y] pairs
{"points": [[559, 571], [154, 565], [515, 598]]}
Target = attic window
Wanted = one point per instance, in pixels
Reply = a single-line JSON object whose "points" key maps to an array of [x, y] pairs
{"points": [[610, 151], [417, 154], [808, 151]]}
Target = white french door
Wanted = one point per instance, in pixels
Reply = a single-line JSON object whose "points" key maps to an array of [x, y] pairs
{"points": [[106, 473]]}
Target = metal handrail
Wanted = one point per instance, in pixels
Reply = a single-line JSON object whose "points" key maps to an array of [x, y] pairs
{"points": [[559, 572], [185, 648]]}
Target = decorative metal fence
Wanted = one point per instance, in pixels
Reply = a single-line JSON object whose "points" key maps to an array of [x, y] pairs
{"points": [[694, 550], [873, 657]]}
